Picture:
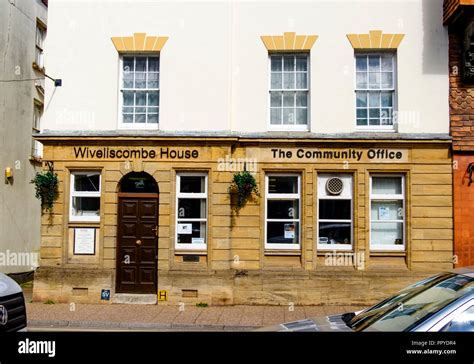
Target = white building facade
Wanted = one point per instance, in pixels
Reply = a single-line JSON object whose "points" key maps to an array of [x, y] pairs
{"points": [[337, 108]]}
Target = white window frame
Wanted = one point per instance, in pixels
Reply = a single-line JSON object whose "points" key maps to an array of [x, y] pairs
{"points": [[296, 127], [332, 247], [378, 128], [73, 193], [202, 195], [40, 36], [283, 196], [402, 197], [137, 126]]}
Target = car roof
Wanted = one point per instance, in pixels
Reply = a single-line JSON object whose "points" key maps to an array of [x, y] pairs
{"points": [[465, 271]]}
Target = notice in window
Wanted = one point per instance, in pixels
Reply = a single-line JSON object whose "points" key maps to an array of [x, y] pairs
{"points": [[289, 231], [84, 241], [384, 213], [185, 228]]}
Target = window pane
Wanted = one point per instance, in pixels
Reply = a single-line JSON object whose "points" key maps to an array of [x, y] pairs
{"points": [[362, 113], [302, 116], [140, 80], [386, 185], [191, 208], [361, 80], [386, 99], [374, 121], [140, 118], [192, 184], [288, 81], [86, 206], [301, 80], [387, 80], [127, 65], [301, 99], [387, 233], [288, 99], [361, 99], [128, 98], [140, 64], [288, 63], [276, 81], [87, 182], [283, 209], [128, 80], [282, 232], [334, 233], [283, 184], [153, 64], [289, 116], [387, 62], [335, 209], [374, 63], [275, 99], [140, 98], [197, 235], [153, 98], [361, 122], [153, 80], [276, 64], [275, 116], [361, 63], [387, 210], [301, 64], [386, 116], [128, 118], [374, 80], [153, 118], [127, 110], [374, 113], [374, 99]]}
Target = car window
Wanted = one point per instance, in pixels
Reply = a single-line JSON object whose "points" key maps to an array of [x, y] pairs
{"points": [[462, 322], [419, 307], [366, 317]]}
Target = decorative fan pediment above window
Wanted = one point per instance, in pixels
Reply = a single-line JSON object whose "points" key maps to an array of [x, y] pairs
{"points": [[375, 39], [289, 42], [139, 42]]}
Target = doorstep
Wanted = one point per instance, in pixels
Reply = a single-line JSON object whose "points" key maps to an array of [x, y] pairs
{"points": [[135, 299]]}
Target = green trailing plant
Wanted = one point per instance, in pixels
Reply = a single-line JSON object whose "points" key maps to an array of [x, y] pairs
{"points": [[46, 188], [243, 185], [202, 304]]}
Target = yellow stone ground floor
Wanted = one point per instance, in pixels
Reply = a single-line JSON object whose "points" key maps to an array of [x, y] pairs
{"points": [[333, 221]]}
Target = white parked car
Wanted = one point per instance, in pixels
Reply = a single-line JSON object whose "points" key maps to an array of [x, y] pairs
{"points": [[12, 306]]}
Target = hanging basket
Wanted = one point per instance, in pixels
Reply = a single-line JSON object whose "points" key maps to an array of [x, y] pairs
{"points": [[46, 188], [243, 186]]}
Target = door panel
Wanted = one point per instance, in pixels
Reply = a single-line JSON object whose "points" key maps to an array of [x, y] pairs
{"points": [[137, 245]]}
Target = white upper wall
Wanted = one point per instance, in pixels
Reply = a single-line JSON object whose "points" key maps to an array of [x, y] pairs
{"points": [[215, 68]]}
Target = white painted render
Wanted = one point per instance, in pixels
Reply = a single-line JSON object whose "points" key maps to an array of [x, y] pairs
{"points": [[215, 69]]}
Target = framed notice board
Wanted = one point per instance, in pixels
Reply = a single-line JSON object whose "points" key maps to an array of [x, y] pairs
{"points": [[84, 241]]}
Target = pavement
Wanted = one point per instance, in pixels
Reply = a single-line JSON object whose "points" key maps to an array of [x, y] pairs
{"points": [[118, 317]]}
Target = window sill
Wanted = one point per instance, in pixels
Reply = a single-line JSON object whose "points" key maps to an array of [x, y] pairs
{"points": [[73, 224], [190, 252], [282, 252], [384, 253], [376, 130]]}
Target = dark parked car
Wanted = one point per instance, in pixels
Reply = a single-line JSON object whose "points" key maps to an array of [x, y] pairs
{"points": [[444, 302]]}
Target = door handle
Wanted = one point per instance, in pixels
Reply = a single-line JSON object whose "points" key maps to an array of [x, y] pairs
{"points": [[138, 242]]}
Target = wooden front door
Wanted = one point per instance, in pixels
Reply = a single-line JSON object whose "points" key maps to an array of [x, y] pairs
{"points": [[137, 243]]}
